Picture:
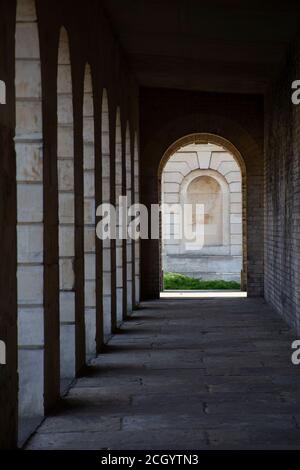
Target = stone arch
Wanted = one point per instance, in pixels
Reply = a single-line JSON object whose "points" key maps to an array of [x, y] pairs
{"points": [[30, 219], [89, 213], [106, 198], [118, 194], [215, 164], [202, 138], [249, 145], [65, 168]]}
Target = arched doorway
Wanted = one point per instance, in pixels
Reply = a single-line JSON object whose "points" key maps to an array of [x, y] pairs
{"points": [[207, 171]]}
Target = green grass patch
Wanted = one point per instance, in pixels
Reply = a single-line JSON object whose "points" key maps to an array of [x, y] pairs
{"points": [[176, 281]]}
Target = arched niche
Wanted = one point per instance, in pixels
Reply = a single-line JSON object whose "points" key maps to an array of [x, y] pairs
{"points": [[30, 216], [89, 214], [210, 189], [65, 169]]}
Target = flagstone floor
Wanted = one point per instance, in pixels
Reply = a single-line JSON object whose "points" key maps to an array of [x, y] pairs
{"points": [[186, 374]]}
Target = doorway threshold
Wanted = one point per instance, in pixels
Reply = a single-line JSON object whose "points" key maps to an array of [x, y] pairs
{"points": [[202, 294]]}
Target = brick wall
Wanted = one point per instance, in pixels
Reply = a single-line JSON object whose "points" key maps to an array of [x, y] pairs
{"points": [[169, 115], [282, 194]]}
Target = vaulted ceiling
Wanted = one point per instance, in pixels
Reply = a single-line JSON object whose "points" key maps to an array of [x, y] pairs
{"points": [[209, 45]]}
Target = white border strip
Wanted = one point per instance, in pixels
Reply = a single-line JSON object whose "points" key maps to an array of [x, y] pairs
{"points": [[202, 294]]}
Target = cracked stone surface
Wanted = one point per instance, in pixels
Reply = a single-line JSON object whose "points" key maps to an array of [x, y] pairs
{"points": [[185, 374]]}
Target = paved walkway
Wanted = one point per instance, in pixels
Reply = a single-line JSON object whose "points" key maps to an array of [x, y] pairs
{"points": [[186, 374]]}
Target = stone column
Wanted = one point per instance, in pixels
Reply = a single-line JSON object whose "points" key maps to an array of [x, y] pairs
{"points": [[107, 320], [89, 215], [119, 243], [137, 243], [29, 159], [129, 188], [65, 162]]}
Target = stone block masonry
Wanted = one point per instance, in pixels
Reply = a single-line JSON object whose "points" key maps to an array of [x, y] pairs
{"points": [[46, 188]]}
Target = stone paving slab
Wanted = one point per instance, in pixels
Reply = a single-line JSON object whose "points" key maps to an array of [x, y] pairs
{"points": [[185, 374], [122, 440]]}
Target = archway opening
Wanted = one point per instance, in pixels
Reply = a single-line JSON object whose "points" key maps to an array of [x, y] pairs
{"points": [[202, 184]]}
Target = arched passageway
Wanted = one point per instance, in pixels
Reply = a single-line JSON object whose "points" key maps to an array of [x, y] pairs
{"points": [[206, 174], [162, 132], [80, 124]]}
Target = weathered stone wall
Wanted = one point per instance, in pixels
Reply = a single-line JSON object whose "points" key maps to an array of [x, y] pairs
{"points": [[282, 194], [169, 115], [91, 41]]}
